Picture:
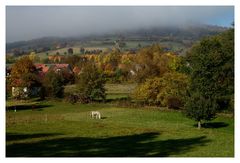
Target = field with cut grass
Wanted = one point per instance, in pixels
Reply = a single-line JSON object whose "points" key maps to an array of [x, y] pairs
{"points": [[57, 128]]}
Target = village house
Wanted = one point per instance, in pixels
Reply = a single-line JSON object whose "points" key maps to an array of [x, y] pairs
{"points": [[60, 67], [76, 70], [19, 91], [42, 69]]}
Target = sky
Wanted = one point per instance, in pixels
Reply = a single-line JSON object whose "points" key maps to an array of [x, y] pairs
{"points": [[29, 22]]}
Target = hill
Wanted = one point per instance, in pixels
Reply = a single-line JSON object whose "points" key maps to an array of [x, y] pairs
{"points": [[176, 39]]}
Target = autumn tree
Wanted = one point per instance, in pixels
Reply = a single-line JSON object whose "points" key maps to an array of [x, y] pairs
{"points": [[35, 57], [32, 56], [24, 73], [150, 62], [114, 59]]}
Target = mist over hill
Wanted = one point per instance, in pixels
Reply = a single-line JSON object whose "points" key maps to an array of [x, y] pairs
{"points": [[184, 36]]}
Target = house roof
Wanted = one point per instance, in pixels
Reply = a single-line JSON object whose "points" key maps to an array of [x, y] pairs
{"points": [[76, 70], [57, 67], [42, 67]]}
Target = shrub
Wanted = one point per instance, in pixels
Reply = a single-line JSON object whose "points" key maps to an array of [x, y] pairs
{"points": [[83, 99], [200, 108], [157, 91], [72, 98]]}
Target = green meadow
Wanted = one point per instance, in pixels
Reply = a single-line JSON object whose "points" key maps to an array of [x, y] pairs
{"points": [[57, 128]]}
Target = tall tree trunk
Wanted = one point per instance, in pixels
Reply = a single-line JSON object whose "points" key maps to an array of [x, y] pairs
{"points": [[199, 124]]}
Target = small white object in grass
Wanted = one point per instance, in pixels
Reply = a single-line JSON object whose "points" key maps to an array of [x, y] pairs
{"points": [[95, 114]]}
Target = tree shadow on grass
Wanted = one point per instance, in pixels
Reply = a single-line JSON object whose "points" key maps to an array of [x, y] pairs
{"points": [[37, 107], [15, 136], [213, 125], [138, 145]]}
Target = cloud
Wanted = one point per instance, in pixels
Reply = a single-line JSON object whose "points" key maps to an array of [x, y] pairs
{"points": [[25, 23]]}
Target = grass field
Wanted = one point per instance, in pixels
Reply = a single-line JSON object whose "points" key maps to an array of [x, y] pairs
{"points": [[113, 91], [62, 51], [56, 128]]}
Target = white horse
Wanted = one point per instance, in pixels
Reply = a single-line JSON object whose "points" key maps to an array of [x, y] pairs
{"points": [[95, 114]]}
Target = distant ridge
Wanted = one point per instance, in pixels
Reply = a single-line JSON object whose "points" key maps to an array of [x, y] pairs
{"points": [[190, 33]]}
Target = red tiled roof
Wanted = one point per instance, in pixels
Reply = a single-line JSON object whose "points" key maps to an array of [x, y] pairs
{"points": [[44, 68], [76, 70]]}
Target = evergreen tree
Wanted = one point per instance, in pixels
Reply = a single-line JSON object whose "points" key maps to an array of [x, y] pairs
{"points": [[200, 108]]}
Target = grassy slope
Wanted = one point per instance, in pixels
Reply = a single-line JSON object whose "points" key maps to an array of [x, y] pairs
{"points": [[61, 129], [93, 45], [76, 51], [116, 91]]}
